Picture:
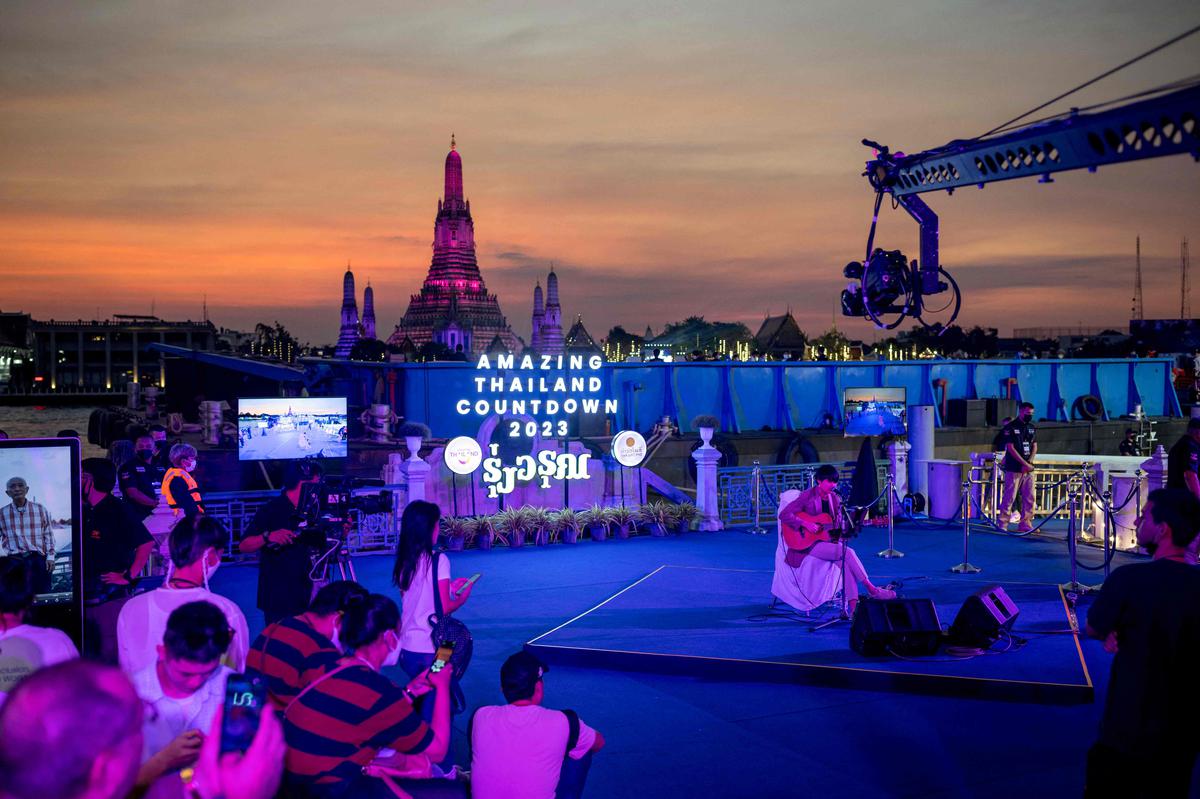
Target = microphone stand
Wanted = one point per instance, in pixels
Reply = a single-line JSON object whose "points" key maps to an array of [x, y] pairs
{"points": [[848, 524]]}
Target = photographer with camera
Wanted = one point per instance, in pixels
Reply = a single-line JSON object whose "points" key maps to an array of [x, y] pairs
{"points": [[284, 585]]}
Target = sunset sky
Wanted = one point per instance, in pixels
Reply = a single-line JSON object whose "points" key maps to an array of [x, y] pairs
{"points": [[670, 158]]}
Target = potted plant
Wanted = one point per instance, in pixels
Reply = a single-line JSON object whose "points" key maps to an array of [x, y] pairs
{"points": [[538, 522], [685, 514], [622, 518], [706, 424], [595, 521], [485, 531], [454, 534], [509, 525], [412, 433], [569, 523], [657, 516]]}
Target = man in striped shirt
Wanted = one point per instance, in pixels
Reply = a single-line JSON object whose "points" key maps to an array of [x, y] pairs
{"points": [[288, 654], [26, 531]]}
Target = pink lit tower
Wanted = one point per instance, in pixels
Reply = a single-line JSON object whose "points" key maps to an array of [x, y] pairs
{"points": [[348, 333], [454, 307]]}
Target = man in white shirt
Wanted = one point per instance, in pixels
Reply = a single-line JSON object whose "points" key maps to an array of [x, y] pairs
{"points": [[24, 648], [525, 751], [195, 544], [183, 689]]}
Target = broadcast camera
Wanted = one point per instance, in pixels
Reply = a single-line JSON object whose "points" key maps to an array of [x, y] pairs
{"points": [[327, 504]]}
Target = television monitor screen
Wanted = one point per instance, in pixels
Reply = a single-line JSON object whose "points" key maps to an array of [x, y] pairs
{"points": [[41, 507], [291, 428], [873, 411]]}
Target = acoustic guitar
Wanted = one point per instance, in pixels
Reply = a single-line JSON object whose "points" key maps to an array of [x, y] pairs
{"points": [[799, 539]]}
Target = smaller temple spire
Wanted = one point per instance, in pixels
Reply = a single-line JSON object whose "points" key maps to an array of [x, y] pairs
{"points": [[452, 145]]}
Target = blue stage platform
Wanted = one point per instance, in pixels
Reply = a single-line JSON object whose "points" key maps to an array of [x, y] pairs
{"points": [[714, 622]]}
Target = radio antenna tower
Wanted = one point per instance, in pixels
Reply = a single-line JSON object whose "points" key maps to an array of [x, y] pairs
{"points": [[1185, 288], [1138, 308]]}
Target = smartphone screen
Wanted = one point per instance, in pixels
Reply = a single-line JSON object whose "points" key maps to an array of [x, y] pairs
{"points": [[442, 657], [244, 700]]}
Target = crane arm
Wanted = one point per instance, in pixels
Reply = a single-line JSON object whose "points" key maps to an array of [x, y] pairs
{"points": [[1151, 128]]}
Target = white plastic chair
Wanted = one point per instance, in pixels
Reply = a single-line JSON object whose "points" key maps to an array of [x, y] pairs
{"points": [[809, 585]]}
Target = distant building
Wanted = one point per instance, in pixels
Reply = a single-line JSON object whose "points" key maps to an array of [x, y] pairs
{"points": [[579, 341], [780, 337], [349, 331], [16, 349], [368, 320], [454, 307], [546, 321], [98, 356]]}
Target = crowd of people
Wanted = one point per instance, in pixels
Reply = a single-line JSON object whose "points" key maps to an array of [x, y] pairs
{"points": [[335, 722], [144, 712]]}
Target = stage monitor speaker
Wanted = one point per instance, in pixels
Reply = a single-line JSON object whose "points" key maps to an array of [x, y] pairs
{"points": [[908, 627], [982, 617], [999, 409], [966, 413]]}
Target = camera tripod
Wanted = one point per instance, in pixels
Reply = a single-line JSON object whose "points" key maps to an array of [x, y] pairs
{"points": [[334, 556]]}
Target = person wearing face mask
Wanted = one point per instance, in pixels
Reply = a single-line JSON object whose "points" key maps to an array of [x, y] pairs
{"points": [[1020, 448], [182, 689], [195, 547], [116, 547], [137, 477], [338, 725], [179, 487], [1148, 615], [284, 585], [288, 654]]}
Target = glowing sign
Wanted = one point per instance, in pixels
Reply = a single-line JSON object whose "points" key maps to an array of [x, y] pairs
{"points": [[539, 386], [547, 465], [629, 448], [463, 455]]}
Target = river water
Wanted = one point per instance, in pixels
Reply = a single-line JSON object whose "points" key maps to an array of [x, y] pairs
{"points": [[36, 421]]}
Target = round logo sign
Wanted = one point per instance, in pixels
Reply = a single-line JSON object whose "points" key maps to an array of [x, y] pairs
{"points": [[629, 448], [463, 455]]}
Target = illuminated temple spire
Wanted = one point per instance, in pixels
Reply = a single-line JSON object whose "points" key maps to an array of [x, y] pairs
{"points": [[454, 307], [348, 333], [539, 317], [368, 319], [551, 340]]}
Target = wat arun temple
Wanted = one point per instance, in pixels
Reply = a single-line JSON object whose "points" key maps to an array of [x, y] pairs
{"points": [[454, 307]]}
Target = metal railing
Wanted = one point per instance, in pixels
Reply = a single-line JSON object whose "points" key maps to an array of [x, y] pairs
{"points": [[736, 496]]}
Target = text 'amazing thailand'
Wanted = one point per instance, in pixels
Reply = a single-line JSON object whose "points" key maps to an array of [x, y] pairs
{"points": [[526, 394]]}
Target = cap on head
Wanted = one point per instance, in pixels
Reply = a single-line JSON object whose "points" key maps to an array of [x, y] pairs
{"points": [[520, 675]]}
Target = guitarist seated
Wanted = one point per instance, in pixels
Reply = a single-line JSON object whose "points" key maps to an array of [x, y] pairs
{"points": [[807, 525]]}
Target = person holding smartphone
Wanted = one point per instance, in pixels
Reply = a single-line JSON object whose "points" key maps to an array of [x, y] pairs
{"points": [[413, 575], [338, 725], [183, 689]]}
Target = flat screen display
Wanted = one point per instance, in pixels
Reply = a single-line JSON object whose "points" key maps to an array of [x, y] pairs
{"points": [[40, 516], [291, 428], [873, 411]]}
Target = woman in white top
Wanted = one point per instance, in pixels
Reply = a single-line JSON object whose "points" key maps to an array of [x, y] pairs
{"points": [[25, 648], [413, 575], [195, 544]]}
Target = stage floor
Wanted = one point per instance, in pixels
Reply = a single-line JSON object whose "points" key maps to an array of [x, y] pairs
{"points": [[715, 622]]}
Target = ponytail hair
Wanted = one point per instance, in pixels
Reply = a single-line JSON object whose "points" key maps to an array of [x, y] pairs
{"points": [[366, 619]]}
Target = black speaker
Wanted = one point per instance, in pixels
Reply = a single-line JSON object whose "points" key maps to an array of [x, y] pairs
{"points": [[908, 627], [966, 413], [982, 616], [999, 409]]}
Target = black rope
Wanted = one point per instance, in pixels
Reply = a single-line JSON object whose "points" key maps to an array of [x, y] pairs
{"points": [[1096, 79]]}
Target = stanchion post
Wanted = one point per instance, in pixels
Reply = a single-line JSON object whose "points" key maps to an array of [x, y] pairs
{"points": [[891, 551], [1073, 507], [756, 498], [1110, 525], [965, 567]]}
